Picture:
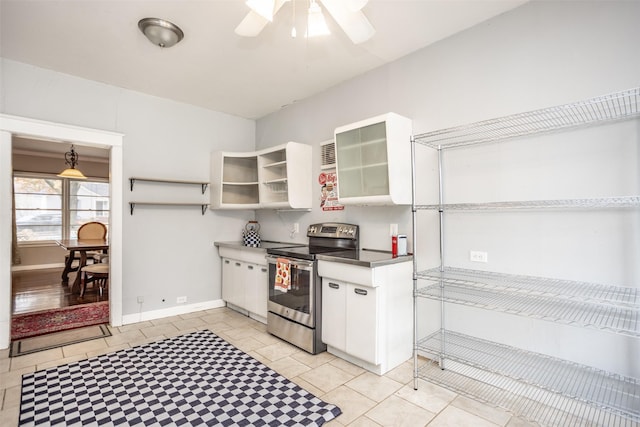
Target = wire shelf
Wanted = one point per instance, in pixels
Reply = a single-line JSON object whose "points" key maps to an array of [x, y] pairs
{"points": [[594, 203], [621, 320], [537, 286], [615, 106], [611, 392]]}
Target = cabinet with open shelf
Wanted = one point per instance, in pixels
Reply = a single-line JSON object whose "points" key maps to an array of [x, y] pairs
{"points": [[533, 385], [275, 178]]}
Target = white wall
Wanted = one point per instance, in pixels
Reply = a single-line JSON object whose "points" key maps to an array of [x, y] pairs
{"points": [[539, 55], [167, 252]]}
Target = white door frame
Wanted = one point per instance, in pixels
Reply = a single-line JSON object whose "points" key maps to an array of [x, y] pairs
{"points": [[59, 133]]}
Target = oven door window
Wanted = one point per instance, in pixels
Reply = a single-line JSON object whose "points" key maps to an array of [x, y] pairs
{"points": [[290, 285]]}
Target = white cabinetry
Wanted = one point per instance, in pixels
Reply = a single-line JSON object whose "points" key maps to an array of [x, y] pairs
{"points": [[493, 367], [257, 291], [352, 326], [373, 161], [235, 180], [275, 178], [233, 282], [245, 281], [366, 314], [334, 313]]}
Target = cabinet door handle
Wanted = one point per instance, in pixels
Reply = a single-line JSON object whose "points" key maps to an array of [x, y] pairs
{"points": [[226, 261], [264, 270], [237, 264], [334, 285], [250, 267], [360, 291]]}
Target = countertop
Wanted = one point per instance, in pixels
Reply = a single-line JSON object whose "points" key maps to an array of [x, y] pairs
{"points": [[370, 258], [264, 245], [366, 257]]}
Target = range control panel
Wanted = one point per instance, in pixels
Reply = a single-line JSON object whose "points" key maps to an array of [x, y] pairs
{"points": [[333, 230]]}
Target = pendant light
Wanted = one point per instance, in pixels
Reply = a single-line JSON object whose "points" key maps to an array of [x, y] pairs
{"points": [[71, 159]]}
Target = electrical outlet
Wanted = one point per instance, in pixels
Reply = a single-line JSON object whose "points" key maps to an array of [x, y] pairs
{"points": [[296, 227], [140, 300], [181, 300], [478, 256], [393, 229]]}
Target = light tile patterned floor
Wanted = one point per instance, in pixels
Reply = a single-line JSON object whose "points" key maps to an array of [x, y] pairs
{"points": [[366, 399]]}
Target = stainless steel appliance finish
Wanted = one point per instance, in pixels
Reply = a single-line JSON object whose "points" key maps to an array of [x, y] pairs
{"points": [[295, 313]]}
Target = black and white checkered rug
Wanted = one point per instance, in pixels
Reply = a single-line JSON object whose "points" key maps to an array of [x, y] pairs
{"points": [[190, 380]]}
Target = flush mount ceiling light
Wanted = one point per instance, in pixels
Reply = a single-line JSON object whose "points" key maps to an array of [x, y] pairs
{"points": [[160, 32], [71, 159], [347, 14]]}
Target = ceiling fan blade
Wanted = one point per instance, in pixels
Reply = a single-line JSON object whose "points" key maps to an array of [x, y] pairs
{"points": [[356, 4], [253, 23], [353, 23]]}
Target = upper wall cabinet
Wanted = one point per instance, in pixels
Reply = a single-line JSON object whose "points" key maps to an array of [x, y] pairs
{"points": [[274, 178], [373, 160]]}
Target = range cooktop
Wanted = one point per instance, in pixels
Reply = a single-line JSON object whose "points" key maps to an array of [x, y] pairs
{"points": [[309, 252]]}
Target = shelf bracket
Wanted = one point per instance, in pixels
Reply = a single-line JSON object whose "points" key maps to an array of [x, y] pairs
{"points": [[204, 188], [131, 204], [131, 181], [204, 207]]}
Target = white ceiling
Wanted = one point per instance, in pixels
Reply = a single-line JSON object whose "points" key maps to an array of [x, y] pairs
{"points": [[213, 67]]}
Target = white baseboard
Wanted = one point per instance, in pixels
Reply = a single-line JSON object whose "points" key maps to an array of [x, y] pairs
{"points": [[171, 311], [36, 266]]}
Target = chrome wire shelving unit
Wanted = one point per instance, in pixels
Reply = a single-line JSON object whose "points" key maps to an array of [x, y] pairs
{"points": [[541, 375], [595, 203], [616, 106], [528, 402], [533, 386]]}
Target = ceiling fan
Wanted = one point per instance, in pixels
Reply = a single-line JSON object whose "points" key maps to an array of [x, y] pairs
{"points": [[347, 14]]}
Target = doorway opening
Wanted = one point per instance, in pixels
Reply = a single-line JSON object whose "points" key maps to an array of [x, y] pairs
{"points": [[49, 209], [11, 126]]}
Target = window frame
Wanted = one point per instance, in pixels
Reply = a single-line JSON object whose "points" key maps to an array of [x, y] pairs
{"points": [[65, 203]]}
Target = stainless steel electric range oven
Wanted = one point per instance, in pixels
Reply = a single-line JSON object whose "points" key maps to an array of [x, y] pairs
{"points": [[295, 291]]}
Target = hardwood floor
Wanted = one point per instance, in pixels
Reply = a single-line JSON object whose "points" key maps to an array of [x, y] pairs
{"points": [[39, 290]]}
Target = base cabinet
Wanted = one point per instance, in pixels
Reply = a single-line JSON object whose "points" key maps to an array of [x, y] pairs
{"points": [[233, 282], [352, 327], [245, 287], [367, 314], [257, 291]]}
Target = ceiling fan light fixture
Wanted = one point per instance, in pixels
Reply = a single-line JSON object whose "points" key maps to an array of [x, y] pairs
{"points": [[160, 32], [355, 5], [264, 8], [354, 23], [316, 24]]}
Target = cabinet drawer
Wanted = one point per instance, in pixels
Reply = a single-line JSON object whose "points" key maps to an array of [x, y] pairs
{"points": [[348, 273], [255, 256]]}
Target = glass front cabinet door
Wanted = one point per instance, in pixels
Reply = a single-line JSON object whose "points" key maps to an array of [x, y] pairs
{"points": [[373, 161]]}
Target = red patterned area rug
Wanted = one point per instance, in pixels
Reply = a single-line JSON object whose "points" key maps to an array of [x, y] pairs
{"points": [[60, 319]]}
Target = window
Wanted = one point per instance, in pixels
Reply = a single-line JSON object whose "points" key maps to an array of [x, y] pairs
{"points": [[88, 201], [52, 208]]}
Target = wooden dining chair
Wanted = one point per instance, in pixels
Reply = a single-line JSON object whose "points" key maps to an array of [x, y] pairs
{"points": [[93, 230], [97, 273]]}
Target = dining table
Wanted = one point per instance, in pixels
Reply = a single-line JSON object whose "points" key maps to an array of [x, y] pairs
{"points": [[81, 246]]}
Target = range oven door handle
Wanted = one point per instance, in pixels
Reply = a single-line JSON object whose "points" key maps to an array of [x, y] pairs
{"points": [[296, 263]]}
